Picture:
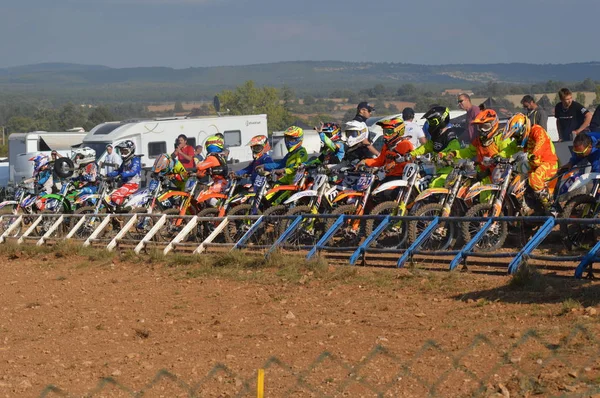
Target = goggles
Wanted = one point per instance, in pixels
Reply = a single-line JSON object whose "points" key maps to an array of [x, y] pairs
{"points": [[583, 152], [256, 148], [390, 131], [485, 127]]}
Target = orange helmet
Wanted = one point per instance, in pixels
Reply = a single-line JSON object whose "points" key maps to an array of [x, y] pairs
{"points": [[487, 126], [518, 127], [393, 129], [259, 145]]}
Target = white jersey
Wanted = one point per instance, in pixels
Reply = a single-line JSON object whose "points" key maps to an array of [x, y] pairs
{"points": [[415, 132], [113, 158]]}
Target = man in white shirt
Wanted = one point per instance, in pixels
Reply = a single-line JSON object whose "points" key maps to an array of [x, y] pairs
{"points": [[112, 160], [412, 129]]}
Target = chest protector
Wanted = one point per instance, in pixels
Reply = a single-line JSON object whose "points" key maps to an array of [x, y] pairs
{"points": [[222, 170]]}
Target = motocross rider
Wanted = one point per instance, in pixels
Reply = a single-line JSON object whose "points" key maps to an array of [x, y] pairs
{"points": [[215, 163], [42, 174], [487, 145], [358, 144], [129, 172], [443, 140], [586, 146], [394, 146], [171, 168], [332, 146], [539, 150], [296, 156], [260, 147], [84, 160]]}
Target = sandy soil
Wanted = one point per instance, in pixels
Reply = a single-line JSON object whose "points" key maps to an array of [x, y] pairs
{"points": [[75, 322]]}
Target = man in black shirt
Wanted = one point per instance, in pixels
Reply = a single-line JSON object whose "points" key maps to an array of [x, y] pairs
{"points": [[363, 112], [572, 118]]}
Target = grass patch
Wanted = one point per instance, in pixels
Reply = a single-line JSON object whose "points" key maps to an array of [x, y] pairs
{"points": [[568, 305], [529, 278]]}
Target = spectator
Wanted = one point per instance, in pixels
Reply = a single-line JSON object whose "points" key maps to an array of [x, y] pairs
{"points": [[111, 161], [535, 113], [363, 112], [595, 123], [184, 152], [572, 117], [412, 128], [482, 107], [198, 158], [464, 103]]}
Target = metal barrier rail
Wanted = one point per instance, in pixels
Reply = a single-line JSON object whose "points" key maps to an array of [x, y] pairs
{"points": [[71, 227]]}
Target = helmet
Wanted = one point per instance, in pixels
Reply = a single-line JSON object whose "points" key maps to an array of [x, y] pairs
{"points": [[293, 137], [393, 129], [518, 127], [259, 145], [126, 149], [214, 144], [163, 164], [487, 126], [355, 132], [81, 156], [437, 117], [332, 131], [40, 162]]}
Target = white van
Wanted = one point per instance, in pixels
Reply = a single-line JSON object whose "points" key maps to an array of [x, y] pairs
{"points": [[24, 146], [154, 137]]}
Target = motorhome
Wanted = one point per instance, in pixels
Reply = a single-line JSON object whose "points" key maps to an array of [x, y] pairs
{"points": [[154, 137], [24, 146]]}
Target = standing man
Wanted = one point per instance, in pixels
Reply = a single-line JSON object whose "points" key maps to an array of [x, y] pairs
{"points": [[412, 128], [111, 161], [184, 152], [363, 112], [464, 103], [535, 114], [572, 118], [595, 123]]}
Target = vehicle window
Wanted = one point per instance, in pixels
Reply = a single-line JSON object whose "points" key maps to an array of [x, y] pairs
{"points": [[191, 141], [233, 138], [155, 149]]}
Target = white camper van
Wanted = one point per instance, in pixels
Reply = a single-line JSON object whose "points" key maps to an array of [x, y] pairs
{"points": [[157, 136], [24, 146]]}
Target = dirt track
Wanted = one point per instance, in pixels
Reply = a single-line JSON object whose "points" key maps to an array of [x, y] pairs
{"points": [[69, 320]]}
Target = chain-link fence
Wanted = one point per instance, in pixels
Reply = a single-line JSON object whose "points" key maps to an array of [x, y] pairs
{"points": [[547, 363]]}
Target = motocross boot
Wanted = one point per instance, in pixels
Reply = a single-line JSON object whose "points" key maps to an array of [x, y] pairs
{"points": [[543, 197]]}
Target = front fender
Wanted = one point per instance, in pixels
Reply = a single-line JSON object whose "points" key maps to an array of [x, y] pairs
{"points": [[347, 194], [583, 180], [431, 191], [8, 203], [170, 194], [477, 189], [390, 185], [299, 195], [204, 197]]}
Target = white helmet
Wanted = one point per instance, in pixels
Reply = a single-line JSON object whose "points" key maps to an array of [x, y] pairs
{"points": [[83, 156], [355, 132]]}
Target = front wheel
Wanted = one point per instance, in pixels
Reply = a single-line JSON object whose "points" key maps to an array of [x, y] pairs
{"points": [[349, 234], [395, 233], [579, 235], [235, 229], [494, 237], [442, 238], [9, 216], [91, 222], [308, 232], [205, 228]]}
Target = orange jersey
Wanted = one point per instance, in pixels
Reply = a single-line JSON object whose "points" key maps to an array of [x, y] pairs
{"points": [[540, 147], [387, 158]]}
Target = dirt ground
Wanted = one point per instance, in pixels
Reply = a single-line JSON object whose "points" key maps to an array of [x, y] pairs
{"points": [[83, 321]]}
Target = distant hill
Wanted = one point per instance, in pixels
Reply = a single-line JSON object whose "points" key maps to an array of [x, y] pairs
{"points": [[101, 83]]}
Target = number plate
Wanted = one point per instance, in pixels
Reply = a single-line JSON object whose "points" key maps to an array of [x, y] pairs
{"points": [[259, 182]]}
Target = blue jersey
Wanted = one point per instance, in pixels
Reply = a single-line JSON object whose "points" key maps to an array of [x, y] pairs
{"points": [[593, 157], [130, 171], [251, 168]]}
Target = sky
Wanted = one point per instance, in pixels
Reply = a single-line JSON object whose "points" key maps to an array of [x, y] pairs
{"points": [[195, 33]]}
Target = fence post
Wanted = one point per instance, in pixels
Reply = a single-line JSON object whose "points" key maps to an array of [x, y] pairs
{"points": [[185, 231], [248, 233], [326, 236], [291, 228], [408, 253], [588, 260], [464, 252], [53, 228], [531, 245], [113, 243], [37, 221], [212, 236], [159, 223], [364, 246], [11, 227]]}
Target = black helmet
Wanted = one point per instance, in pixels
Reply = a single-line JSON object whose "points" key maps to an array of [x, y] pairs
{"points": [[437, 117]]}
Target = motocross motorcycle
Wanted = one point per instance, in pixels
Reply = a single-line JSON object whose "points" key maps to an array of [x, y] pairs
{"points": [[450, 203], [415, 179]]}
